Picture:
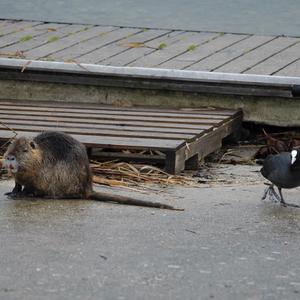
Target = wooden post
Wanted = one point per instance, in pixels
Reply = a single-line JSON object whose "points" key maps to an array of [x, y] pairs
{"points": [[89, 151], [175, 161], [192, 163]]}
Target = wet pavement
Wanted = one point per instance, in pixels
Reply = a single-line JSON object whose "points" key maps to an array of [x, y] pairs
{"points": [[227, 244]]}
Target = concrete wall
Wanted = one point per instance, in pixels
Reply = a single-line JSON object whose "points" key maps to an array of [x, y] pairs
{"points": [[266, 110]]}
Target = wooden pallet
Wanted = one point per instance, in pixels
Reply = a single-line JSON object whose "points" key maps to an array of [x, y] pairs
{"points": [[177, 137]]}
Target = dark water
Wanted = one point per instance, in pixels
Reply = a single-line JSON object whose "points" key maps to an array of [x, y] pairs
{"points": [[246, 16]]}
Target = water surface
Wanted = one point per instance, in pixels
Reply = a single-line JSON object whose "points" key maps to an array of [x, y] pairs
{"points": [[244, 16]]}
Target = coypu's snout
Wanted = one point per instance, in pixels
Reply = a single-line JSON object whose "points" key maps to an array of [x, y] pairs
{"points": [[10, 163]]}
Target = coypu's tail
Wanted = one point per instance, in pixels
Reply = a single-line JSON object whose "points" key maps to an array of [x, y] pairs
{"points": [[129, 201]]}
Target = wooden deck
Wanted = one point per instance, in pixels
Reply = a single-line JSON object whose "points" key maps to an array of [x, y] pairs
{"points": [[177, 138], [172, 49]]}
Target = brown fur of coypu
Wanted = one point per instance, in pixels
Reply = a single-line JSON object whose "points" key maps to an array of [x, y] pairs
{"points": [[55, 165]]}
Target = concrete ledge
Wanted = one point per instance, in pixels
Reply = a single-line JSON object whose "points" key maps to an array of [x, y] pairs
{"points": [[150, 78]]}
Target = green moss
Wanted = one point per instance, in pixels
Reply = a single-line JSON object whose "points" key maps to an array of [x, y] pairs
{"points": [[53, 39], [191, 47], [162, 46], [26, 38], [48, 58]]}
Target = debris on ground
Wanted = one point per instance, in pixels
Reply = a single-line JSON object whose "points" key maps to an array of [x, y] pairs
{"points": [[144, 177], [258, 146], [122, 174], [213, 174], [235, 154], [3, 172], [278, 142]]}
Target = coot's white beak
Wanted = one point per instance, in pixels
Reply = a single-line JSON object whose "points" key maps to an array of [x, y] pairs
{"points": [[294, 156]]}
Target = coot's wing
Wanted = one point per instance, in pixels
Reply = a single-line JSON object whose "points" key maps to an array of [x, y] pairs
{"points": [[276, 167], [268, 164]]}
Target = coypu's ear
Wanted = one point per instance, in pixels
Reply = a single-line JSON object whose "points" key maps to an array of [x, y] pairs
{"points": [[32, 144]]}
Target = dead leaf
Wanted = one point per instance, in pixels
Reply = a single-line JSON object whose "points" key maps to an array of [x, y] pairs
{"points": [[276, 145]]}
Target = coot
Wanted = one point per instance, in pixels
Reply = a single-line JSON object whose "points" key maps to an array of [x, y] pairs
{"points": [[283, 170]]}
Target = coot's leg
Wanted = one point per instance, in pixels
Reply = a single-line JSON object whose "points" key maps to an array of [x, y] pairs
{"points": [[266, 192], [270, 191], [283, 203]]}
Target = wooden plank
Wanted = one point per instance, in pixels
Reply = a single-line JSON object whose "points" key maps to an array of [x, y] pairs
{"points": [[175, 161], [149, 47], [216, 43], [15, 26], [85, 33], [100, 47], [61, 30], [138, 109], [128, 157], [187, 39], [277, 62], [146, 35], [134, 47], [252, 58], [203, 115], [291, 70], [111, 142], [222, 57], [55, 123], [17, 36], [176, 120], [104, 35], [103, 132], [147, 124]]}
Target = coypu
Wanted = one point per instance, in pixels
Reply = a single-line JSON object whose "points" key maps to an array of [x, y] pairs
{"points": [[55, 165]]}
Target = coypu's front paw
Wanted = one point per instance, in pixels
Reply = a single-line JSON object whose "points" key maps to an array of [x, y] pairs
{"points": [[13, 195]]}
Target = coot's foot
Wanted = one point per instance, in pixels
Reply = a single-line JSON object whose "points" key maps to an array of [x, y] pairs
{"points": [[284, 204]]}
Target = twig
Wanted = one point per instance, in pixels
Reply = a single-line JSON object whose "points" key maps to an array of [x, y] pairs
{"points": [[11, 129], [26, 65]]}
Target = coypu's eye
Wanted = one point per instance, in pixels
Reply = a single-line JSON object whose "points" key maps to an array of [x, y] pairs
{"points": [[25, 150]]}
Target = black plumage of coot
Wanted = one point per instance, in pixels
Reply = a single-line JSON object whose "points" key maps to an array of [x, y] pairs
{"points": [[283, 171]]}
